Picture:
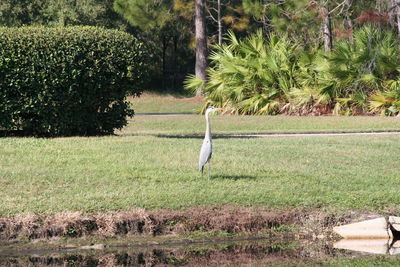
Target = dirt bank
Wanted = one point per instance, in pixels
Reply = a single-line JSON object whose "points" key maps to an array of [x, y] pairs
{"points": [[226, 218]]}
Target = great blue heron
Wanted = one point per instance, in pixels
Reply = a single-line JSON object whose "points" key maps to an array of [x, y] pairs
{"points": [[206, 148]]}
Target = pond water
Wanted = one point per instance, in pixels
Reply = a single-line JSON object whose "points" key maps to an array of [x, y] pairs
{"points": [[244, 253]]}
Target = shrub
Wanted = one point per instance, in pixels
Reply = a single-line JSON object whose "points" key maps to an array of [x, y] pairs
{"points": [[68, 81], [259, 75], [250, 76], [358, 69], [357, 76]]}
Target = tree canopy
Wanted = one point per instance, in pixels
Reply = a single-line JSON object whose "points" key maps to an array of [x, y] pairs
{"points": [[168, 26]]}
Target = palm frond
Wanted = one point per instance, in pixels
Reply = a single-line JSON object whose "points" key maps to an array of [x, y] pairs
{"points": [[193, 83]]}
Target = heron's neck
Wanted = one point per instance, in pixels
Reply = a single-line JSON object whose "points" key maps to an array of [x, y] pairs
{"points": [[208, 127]]}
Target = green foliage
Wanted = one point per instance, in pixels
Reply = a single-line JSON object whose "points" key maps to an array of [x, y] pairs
{"points": [[255, 8], [357, 69], [167, 33], [145, 14], [387, 102], [359, 66], [296, 18], [59, 13], [68, 81], [259, 76], [353, 77], [252, 76], [65, 12], [20, 12], [358, 76]]}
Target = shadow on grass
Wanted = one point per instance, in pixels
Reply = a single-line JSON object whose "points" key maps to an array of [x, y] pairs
{"points": [[197, 136], [234, 177], [11, 133], [21, 133], [176, 92]]}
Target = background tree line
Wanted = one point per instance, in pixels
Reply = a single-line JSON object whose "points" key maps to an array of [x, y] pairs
{"points": [[169, 26]]}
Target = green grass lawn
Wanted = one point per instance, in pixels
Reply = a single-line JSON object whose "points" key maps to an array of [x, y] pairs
{"points": [[225, 124], [112, 173], [161, 103], [117, 172]]}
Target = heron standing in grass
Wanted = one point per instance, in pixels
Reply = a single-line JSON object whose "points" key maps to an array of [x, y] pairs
{"points": [[206, 148]]}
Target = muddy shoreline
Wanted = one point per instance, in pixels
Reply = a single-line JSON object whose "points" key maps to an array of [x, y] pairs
{"points": [[222, 235], [137, 221], [229, 219]]}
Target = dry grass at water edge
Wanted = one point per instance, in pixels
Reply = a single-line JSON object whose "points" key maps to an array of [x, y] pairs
{"points": [[227, 218]]}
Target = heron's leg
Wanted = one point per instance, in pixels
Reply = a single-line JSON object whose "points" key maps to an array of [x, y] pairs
{"points": [[209, 169]]}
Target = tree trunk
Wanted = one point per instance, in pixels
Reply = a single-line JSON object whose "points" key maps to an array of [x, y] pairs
{"points": [[397, 11], [378, 5], [326, 28], [201, 43], [219, 23], [348, 23], [392, 13]]}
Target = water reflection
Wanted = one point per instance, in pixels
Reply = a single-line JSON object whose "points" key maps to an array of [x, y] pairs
{"points": [[372, 246], [260, 253]]}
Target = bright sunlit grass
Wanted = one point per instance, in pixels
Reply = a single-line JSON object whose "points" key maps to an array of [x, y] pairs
{"points": [[224, 124], [157, 103], [112, 173], [117, 172]]}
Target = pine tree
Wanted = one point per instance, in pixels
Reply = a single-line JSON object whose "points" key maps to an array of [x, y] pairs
{"points": [[326, 27], [201, 42]]}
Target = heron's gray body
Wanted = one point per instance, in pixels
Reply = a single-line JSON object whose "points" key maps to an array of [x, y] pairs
{"points": [[205, 153], [206, 148]]}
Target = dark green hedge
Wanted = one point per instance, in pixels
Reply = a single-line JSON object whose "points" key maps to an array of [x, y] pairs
{"points": [[68, 81]]}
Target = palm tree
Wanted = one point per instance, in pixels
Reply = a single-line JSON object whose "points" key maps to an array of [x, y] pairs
{"points": [[356, 69], [250, 76]]}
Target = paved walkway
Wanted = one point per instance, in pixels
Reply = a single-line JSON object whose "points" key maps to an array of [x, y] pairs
{"points": [[314, 134], [264, 135], [166, 114]]}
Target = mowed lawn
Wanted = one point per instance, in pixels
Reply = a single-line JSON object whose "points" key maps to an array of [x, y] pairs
{"points": [[230, 124], [95, 174], [165, 103], [115, 173]]}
